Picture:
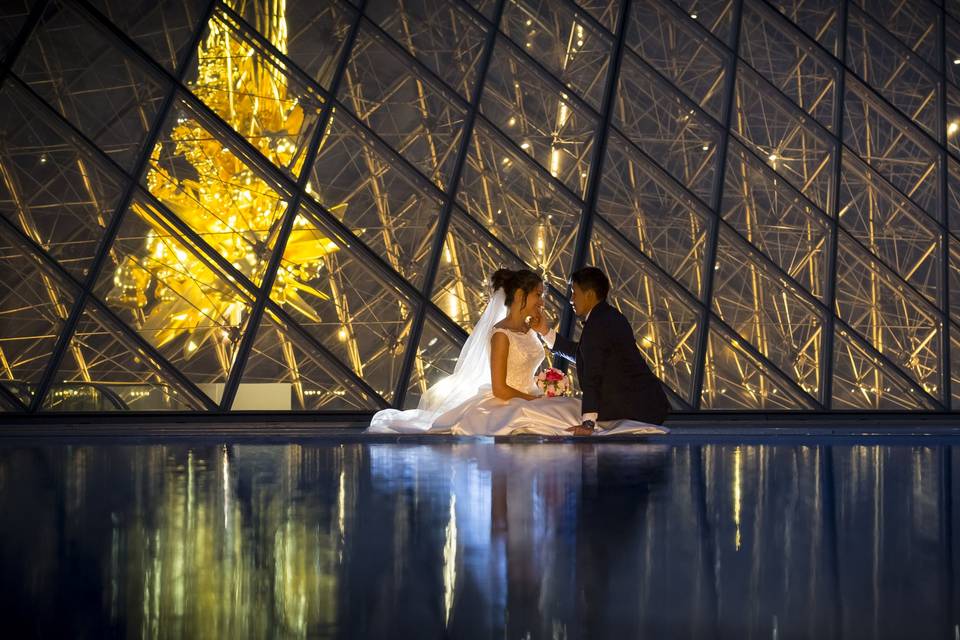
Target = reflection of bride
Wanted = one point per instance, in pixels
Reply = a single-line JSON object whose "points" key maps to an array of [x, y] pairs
{"points": [[492, 390]]}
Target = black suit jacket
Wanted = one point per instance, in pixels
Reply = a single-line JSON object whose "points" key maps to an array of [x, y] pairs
{"points": [[614, 378]]}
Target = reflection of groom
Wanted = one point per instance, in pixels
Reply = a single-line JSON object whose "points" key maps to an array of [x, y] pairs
{"points": [[615, 380]]}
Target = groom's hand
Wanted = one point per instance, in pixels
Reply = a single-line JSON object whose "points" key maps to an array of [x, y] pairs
{"points": [[580, 430]]}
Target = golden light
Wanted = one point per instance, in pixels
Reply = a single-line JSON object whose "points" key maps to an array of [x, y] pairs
{"points": [[172, 291], [953, 127]]}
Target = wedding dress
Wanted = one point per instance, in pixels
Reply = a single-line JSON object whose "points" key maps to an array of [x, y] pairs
{"points": [[463, 403]]}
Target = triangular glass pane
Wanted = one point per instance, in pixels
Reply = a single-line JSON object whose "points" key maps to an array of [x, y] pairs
{"points": [[539, 117], [716, 15], [416, 117], [777, 131], [53, 188], [284, 374], [818, 18], [891, 227], [440, 34], [435, 359], [954, 367], [97, 86], [572, 50], [733, 379], [13, 14], [174, 297], [361, 315], [388, 206], [310, 32], [654, 213], [606, 12], [664, 322], [162, 29], [891, 144], [653, 115], [893, 319], [104, 370], [670, 42], [462, 286], [776, 219], [255, 93], [33, 310], [765, 310], [501, 190], [225, 200], [784, 56], [913, 23], [863, 381], [887, 66]]}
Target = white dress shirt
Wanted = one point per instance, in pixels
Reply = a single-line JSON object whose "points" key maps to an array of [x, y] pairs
{"points": [[549, 338]]}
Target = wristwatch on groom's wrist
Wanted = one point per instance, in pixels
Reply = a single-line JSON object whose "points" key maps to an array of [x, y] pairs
{"points": [[589, 424]]}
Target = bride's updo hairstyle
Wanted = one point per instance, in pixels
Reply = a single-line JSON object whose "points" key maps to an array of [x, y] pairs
{"points": [[512, 282]]}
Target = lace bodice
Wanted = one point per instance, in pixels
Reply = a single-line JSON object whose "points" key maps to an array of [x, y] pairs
{"points": [[523, 359]]}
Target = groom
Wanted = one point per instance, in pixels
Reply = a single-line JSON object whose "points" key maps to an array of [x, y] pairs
{"points": [[615, 380]]}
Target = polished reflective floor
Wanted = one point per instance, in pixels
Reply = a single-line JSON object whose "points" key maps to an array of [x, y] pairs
{"points": [[831, 539]]}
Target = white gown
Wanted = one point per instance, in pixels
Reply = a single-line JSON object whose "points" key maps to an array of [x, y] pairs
{"points": [[484, 414]]}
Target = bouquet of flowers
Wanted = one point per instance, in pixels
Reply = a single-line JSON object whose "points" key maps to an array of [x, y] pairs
{"points": [[553, 383]]}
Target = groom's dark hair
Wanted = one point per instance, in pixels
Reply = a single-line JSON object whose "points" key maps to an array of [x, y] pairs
{"points": [[592, 279]]}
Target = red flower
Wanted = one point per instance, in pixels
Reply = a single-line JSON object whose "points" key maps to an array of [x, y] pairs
{"points": [[553, 375]]}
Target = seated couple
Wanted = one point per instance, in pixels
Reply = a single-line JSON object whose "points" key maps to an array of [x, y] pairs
{"points": [[493, 390]]}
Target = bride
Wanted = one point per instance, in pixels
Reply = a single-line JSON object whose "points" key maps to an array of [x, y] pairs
{"points": [[493, 390]]}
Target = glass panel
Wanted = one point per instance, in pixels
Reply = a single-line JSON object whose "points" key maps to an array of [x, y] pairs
{"points": [[518, 205], [162, 29], [681, 138], [350, 308], [33, 308], [889, 144], [388, 94], [309, 32], [255, 94], [955, 368], [92, 83], [567, 46], [732, 379], [386, 205], [539, 117], [663, 320], [13, 14], [282, 374], [172, 296], [953, 195], [818, 18], [51, 186], [863, 381], [789, 61], [208, 186], [485, 7], [776, 219], [892, 227], [913, 23], [605, 12], [436, 358], [952, 47], [105, 370], [436, 32], [715, 15], [655, 214], [673, 45], [470, 257], [954, 281], [889, 68], [768, 313], [787, 140], [953, 119], [895, 321]]}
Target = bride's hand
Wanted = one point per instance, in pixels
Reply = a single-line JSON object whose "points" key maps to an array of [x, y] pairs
{"points": [[538, 322]]}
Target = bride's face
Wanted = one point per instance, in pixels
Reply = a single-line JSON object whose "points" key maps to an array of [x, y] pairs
{"points": [[533, 304]]}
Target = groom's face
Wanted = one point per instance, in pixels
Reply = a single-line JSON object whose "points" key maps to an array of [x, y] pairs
{"points": [[582, 300]]}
